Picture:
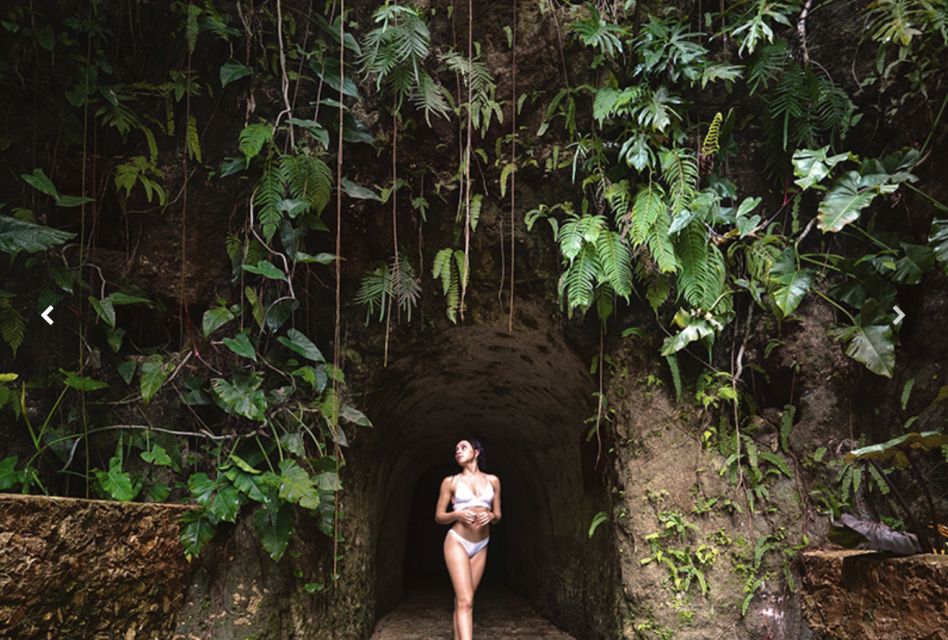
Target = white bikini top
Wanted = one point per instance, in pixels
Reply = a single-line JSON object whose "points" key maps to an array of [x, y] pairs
{"points": [[464, 497]]}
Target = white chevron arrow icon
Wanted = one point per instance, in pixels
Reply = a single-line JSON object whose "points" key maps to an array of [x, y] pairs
{"points": [[45, 314], [899, 314]]}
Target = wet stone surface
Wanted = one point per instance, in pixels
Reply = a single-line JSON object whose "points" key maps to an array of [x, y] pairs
{"points": [[499, 614]]}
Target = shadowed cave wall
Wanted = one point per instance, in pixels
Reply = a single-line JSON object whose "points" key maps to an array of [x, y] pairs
{"points": [[526, 396]]}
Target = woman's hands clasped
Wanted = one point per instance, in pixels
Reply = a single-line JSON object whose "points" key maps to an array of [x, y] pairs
{"points": [[475, 519]]}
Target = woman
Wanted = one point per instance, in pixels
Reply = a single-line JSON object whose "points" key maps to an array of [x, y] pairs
{"points": [[475, 498]]}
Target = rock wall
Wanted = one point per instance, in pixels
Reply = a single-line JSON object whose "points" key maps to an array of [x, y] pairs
{"points": [[89, 569], [865, 595]]}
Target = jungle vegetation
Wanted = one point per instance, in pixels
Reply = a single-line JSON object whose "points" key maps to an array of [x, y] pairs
{"points": [[717, 168]]}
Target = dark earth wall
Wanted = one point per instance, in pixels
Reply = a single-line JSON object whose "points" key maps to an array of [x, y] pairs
{"points": [[89, 569]]}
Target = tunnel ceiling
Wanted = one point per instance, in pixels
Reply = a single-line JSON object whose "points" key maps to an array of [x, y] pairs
{"points": [[526, 390]]}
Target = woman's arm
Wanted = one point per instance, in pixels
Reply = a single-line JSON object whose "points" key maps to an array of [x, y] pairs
{"points": [[442, 515], [496, 514]]}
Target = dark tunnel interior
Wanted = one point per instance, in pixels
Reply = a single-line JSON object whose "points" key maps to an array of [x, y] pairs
{"points": [[527, 398]]}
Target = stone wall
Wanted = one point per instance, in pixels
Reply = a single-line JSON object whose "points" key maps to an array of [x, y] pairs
{"points": [[866, 595], [89, 569]]}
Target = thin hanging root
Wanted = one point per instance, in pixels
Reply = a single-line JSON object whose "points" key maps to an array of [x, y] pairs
{"points": [[513, 175], [336, 341], [467, 159], [394, 276]]}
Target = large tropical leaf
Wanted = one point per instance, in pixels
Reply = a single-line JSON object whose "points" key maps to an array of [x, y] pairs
{"points": [[879, 536], [874, 347], [792, 283], [938, 241], [17, 235], [811, 166], [895, 450], [843, 204]]}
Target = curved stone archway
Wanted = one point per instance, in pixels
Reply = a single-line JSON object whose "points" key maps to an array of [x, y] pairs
{"points": [[527, 397]]}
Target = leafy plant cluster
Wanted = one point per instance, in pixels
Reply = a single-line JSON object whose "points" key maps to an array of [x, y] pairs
{"points": [[659, 220], [258, 412]]}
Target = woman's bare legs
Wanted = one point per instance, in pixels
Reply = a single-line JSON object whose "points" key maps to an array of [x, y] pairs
{"points": [[466, 574]]}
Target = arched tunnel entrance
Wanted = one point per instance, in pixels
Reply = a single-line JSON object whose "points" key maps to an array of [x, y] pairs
{"points": [[527, 397]]}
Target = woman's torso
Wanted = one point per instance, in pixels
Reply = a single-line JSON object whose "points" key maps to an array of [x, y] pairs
{"points": [[478, 498]]}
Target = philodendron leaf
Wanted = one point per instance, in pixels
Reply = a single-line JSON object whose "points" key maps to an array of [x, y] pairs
{"points": [[874, 347], [811, 166], [240, 344], [894, 450], [8, 476], [792, 283], [214, 319], [232, 70], [41, 182], [265, 269], [104, 309], [117, 483], [696, 329], [298, 342], [274, 526], [197, 531], [153, 376], [938, 241], [17, 235], [297, 486], [881, 537], [82, 383], [157, 456], [910, 268], [226, 503], [844, 202], [241, 396]]}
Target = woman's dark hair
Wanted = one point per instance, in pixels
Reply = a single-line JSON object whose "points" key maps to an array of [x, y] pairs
{"points": [[479, 447]]}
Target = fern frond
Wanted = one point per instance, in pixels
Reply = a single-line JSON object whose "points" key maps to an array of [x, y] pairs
{"points": [[578, 282], [768, 65], [618, 196], [570, 237], [267, 199], [373, 291], [649, 206], [308, 178], [701, 279], [444, 268], [252, 139], [428, 96], [615, 261], [12, 326], [660, 244], [710, 145], [680, 171], [406, 286], [194, 142]]}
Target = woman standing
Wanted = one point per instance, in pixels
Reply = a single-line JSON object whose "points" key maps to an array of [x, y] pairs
{"points": [[475, 500]]}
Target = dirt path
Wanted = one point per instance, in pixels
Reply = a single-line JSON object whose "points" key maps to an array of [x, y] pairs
{"points": [[499, 614]]}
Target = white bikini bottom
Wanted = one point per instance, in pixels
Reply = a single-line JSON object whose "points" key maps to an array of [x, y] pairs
{"points": [[472, 548]]}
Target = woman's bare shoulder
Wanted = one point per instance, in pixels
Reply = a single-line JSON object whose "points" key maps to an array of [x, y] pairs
{"points": [[491, 478]]}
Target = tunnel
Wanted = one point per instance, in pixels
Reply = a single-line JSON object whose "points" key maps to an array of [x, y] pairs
{"points": [[528, 398]]}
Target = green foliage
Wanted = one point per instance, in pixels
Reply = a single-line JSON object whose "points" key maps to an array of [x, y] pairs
{"points": [[448, 266], [395, 51], [140, 170], [593, 31], [391, 280], [758, 23]]}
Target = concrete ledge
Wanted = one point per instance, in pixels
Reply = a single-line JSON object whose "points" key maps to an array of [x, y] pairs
{"points": [[873, 596], [89, 569]]}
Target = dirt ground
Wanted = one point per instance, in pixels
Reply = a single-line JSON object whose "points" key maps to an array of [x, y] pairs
{"points": [[499, 614]]}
